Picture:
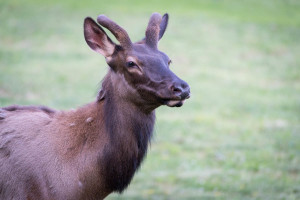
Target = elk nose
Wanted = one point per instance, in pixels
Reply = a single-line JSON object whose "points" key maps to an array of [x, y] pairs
{"points": [[180, 89]]}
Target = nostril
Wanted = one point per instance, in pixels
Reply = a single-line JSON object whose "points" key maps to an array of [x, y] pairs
{"points": [[176, 89]]}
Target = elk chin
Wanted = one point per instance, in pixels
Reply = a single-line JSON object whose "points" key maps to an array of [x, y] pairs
{"points": [[174, 103]]}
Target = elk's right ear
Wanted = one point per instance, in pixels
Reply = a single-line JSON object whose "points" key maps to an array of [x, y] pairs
{"points": [[163, 25], [97, 39]]}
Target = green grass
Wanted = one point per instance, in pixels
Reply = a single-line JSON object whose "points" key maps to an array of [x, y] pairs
{"points": [[238, 137]]}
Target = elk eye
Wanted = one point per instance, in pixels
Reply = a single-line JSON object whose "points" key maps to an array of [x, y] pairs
{"points": [[131, 64]]}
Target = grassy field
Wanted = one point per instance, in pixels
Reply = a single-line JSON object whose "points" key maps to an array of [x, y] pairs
{"points": [[238, 137]]}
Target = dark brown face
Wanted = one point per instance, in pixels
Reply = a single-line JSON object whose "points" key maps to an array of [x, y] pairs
{"points": [[147, 71], [140, 71]]}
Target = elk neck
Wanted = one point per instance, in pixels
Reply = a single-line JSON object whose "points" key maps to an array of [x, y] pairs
{"points": [[129, 131]]}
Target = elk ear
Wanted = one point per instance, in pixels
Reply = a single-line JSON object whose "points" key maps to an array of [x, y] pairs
{"points": [[97, 39], [163, 25]]}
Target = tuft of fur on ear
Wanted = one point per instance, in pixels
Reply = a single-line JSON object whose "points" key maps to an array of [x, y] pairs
{"points": [[101, 95], [97, 39]]}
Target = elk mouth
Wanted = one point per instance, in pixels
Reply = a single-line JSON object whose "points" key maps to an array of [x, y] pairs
{"points": [[175, 102]]}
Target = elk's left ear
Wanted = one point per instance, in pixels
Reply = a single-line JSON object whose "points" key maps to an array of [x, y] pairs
{"points": [[163, 25], [97, 39]]}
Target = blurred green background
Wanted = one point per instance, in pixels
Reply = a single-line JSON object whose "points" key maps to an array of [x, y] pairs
{"points": [[238, 137]]}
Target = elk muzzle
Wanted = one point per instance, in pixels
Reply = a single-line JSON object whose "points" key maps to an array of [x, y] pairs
{"points": [[180, 91]]}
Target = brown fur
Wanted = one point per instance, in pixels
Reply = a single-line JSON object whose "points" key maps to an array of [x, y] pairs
{"points": [[152, 32], [94, 150]]}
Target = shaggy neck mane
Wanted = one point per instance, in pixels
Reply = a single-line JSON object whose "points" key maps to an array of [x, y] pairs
{"points": [[129, 131]]}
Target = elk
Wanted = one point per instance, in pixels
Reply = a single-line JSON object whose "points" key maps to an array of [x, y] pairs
{"points": [[92, 151]]}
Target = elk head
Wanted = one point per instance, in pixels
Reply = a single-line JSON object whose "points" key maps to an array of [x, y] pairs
{"points": [[139, 71]]}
